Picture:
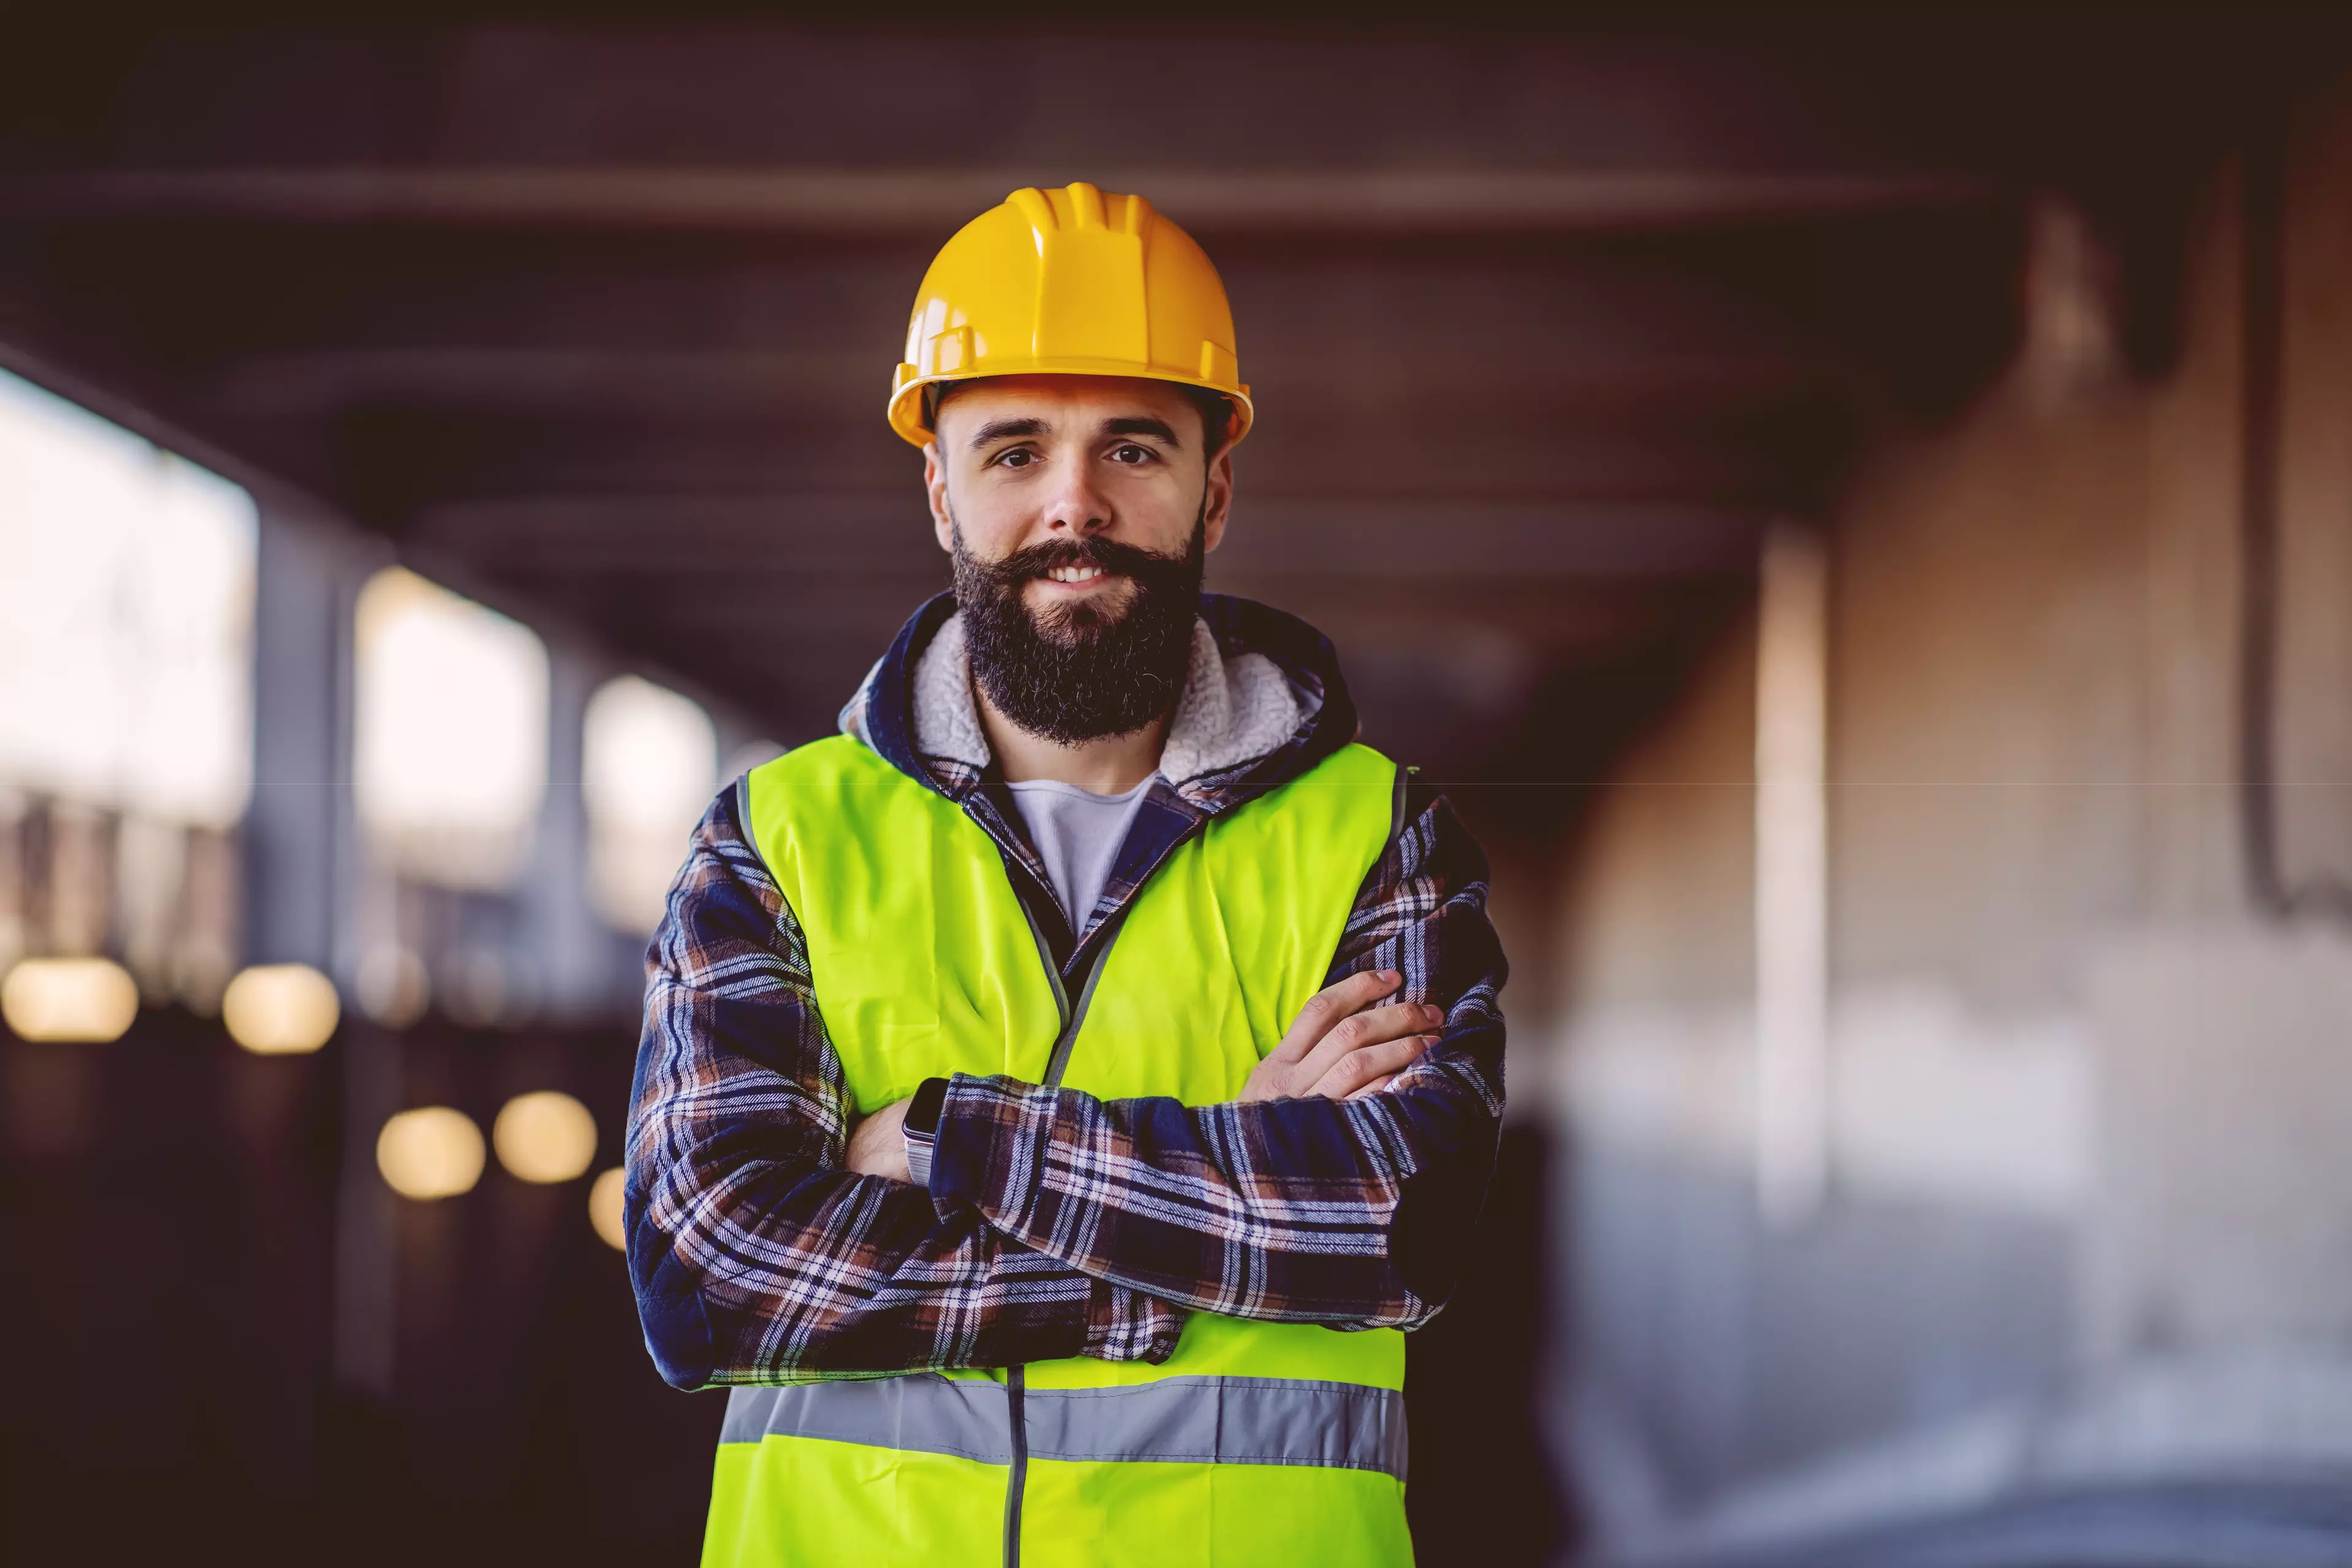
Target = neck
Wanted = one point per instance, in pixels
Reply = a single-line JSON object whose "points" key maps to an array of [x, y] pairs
{"points": [[1111, 765]]}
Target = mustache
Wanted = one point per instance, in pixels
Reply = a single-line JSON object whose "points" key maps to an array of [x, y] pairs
{"points": [[1051, 555]]}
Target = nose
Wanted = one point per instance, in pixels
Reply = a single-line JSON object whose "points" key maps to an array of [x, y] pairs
{"points": [[1077, 508]]}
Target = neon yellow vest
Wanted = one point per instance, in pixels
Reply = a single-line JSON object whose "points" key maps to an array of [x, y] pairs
{"points": [[1276, 1443]]}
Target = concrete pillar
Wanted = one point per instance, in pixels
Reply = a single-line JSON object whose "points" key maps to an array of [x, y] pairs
{"points": [[568, 948], [1793, 1066], [306, 886], [301, 743]]}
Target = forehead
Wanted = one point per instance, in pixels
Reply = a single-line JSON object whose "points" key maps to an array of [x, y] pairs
{"points": [[1063, 402]]}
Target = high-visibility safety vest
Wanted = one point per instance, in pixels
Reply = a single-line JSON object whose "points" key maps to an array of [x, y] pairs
{"points": [[1277, 1444]]}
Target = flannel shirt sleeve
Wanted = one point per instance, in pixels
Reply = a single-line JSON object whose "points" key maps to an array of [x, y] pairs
{"points": [[756, 1257], [1348, 1213]]}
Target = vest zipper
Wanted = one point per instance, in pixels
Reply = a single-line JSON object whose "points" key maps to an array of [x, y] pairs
{"points": [[1073, 1018], [1016, 1479]]}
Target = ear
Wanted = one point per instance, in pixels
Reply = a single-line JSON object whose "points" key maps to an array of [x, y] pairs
{"points": [[1220, 499], [935, 491]]}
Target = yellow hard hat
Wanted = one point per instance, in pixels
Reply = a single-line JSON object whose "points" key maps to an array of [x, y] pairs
{"points": [[1069, 282]]}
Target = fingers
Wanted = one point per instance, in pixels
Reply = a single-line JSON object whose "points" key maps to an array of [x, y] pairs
{"points": [[1374, 1026], [1371, 1067], [1328, 1007]]}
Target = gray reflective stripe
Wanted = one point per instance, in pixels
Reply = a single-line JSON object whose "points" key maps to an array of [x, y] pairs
{"points": [[923, 1412], [1199, 1420], [1224, 1421]]}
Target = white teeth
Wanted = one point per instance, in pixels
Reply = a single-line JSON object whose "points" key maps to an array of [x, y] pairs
{"points": [[1074, 573]]}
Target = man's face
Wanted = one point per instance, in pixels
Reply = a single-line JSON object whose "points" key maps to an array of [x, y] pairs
{"points": [[1077, 509], [1028, 460]]}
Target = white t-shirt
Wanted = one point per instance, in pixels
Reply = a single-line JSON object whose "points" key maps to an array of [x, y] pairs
{"points": [[1077, 834]]}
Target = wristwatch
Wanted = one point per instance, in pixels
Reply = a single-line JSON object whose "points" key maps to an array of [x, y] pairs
{"points": [[921, 1127]]}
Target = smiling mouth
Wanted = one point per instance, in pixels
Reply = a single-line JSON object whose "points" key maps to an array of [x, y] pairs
{"points": [[1076, 575]]}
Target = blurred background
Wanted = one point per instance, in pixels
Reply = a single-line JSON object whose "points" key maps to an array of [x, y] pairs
{"points": [[1856, 509]]}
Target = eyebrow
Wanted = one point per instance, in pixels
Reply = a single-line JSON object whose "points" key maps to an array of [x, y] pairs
{"points": [[998, 430], [1129, 425], [1142, 424]]}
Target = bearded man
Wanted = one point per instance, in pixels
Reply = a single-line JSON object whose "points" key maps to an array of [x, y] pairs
{"points": [[1038, 1073]]}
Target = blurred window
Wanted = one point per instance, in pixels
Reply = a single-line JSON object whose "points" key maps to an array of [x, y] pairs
{"points": [[450, 750], [126, 618], [650, 764]]}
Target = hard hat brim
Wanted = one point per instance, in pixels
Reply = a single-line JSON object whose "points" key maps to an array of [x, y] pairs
{"points": [[906, 405]]}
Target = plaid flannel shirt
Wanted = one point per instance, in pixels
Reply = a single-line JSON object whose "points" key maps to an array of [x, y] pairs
{"points": [[1055, 1224]]}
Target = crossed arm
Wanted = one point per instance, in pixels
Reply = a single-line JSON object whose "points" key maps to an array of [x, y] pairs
{"points": [[1055, 1224], [1344, 1043]]}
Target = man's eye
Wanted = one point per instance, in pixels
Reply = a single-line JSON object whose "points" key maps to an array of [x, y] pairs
{"points": [[1132, 454], [1018, 457]]}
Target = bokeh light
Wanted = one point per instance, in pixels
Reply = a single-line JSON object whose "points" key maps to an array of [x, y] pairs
{"points": [[280, 1009], [547, 1136], [604, 1209], [432, 1152], [91, 1000]]}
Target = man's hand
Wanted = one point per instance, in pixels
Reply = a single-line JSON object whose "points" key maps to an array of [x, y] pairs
{"points": [[877, 1147], [1342, 1044]]}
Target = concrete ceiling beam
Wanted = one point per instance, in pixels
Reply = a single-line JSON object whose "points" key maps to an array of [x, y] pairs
{"points": [[908, 203]]}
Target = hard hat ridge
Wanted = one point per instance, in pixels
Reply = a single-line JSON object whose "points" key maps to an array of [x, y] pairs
{"points": [[1089, 208], [1073, 282]]}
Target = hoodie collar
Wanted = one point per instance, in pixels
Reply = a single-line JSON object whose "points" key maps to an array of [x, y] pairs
{"points": [[1263, 703]]}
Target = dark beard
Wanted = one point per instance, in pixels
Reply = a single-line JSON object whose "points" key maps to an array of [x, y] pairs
{"points": [[1075, 673]]}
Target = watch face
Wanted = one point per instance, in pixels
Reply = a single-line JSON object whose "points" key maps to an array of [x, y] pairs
{"points": [[922, 1119]]}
